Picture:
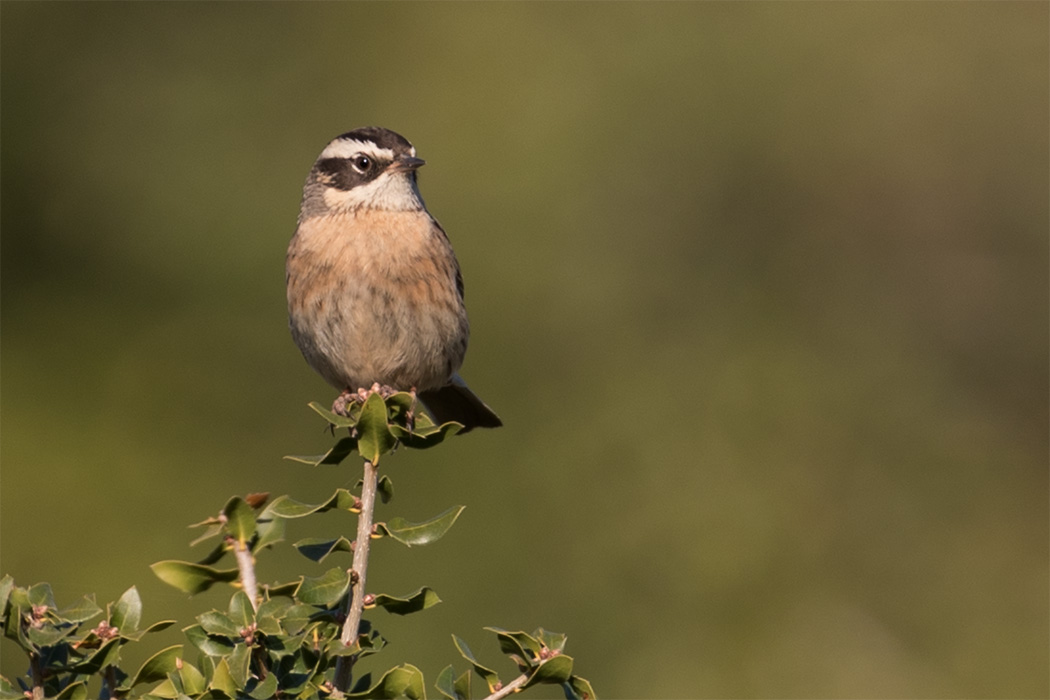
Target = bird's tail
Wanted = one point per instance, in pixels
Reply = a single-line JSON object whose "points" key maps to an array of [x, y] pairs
{"points": [[456, 402]]}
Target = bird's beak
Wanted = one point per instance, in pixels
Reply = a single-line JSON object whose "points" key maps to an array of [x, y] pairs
{"points": [[408, 163]]}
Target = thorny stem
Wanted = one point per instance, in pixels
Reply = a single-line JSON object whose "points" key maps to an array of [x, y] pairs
{"points": [[345, 664], [246, 564], [509, 688]]}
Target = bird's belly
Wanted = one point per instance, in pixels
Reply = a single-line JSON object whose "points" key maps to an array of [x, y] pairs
{"points": [[396, 319]]}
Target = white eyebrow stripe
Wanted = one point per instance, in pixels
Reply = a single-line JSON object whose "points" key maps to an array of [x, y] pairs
{"points": [[347, 148]]}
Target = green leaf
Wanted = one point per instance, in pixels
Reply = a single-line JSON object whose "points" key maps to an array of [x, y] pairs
{"points": [[405, 680], [274, 607], [158, 666], [238, 663], [217, 623], [374, 437], [333, 419], [241, 611], [416, 534], [385, 488], [324, 590], [445, 683], [422, 440], [316, 549], [6, 584], [451, 687], [285, 507], [264, 690], [41, 594], [222, 680], [74, 691], [106, 655], [193, 681], [48, 634], [463, 685], [210, 645], [490, 677], [340, 451], [552, 640], [518, 644], [270, 529], [581, 688], [556, 669], [420, 600], [81, 611], [191, 578], [127, 613], [240, 519], [296, 618]]}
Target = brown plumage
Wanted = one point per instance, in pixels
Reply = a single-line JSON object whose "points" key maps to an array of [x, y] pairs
{"points": [[374, 288]]}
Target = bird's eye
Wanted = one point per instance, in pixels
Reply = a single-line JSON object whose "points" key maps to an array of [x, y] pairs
{"points": [[361, 163]]}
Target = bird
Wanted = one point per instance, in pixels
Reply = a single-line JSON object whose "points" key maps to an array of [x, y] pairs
{"points": [[375, 292]]}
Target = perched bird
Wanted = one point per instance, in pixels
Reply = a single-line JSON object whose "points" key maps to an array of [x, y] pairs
{"points": [[375, 294]]}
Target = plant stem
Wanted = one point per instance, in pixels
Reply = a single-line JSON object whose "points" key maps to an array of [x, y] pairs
{"points": [[246, 564], [509, 688], [359, 568]]}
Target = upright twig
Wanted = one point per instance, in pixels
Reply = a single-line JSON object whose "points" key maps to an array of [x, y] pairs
{"points": [[246, 564], [344, 665]]}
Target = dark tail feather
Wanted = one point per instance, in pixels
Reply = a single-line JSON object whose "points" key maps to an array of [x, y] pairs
{"points": [[457, 402]]}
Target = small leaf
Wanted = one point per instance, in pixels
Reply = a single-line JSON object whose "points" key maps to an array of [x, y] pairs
{"points": [[317, 549], [385, 488], [518, 644], [420, 600], [211, 645], [490, 677], [265, 689], [552, 640], [158, 626], [127, 613], [333, 419], [463, 685], [435, 436], [556, 669], [445, 683], [193, 681], [48, 634], [324, 590], [238, 663], [374, 436], [241, 611], [416, 534], [81, 611], [222, 680], [191, 578], [340, 451], [217, 623], [285, 507], [106, 655], [451, 687], [240, 519], [158, 666], [6, 584], [581, 688], [41, 595], [270, 529], [73, 691], [405, 680]]}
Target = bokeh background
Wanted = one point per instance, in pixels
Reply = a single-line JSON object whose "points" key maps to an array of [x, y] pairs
{"points": [[760, 290]]}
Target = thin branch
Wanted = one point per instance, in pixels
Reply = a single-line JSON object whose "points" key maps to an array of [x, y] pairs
{"points": [[359, 567], [509, 688], [246, 564]]}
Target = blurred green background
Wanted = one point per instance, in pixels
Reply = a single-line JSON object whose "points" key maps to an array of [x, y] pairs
{"points": [[759, 289]]}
